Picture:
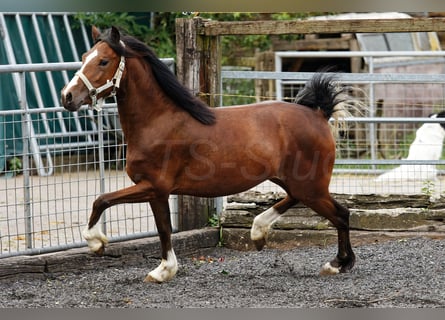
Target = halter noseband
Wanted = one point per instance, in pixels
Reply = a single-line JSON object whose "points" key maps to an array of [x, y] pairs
{"points": [[113, 83]]}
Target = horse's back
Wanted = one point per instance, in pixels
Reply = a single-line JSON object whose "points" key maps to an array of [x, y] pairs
{"points": [[281, 130], [272, 109], [269, 118]]}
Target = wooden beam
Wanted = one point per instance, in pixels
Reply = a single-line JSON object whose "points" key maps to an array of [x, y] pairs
{"points": [[117, 254], [311, 45], [215, 28], [198, 67]]}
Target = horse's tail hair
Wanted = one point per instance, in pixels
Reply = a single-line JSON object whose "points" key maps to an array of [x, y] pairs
{"points": [[323, 92]]}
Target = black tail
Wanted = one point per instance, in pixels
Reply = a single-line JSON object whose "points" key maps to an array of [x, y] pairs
{"points": [[321, 92]]}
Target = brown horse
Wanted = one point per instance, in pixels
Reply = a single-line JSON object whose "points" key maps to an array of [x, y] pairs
{"points": [[178, 145]]}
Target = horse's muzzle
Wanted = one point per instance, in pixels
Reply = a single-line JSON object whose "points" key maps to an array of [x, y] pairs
{"points": [[68, 102]]}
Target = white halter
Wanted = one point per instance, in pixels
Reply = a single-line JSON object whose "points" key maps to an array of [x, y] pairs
{"points": [[113, 83]]}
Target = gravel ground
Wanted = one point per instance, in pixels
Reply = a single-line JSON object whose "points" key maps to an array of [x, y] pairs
{"points": [[402, 273]]}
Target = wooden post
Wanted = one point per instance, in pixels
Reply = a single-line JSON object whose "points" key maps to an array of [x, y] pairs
{"points": [[187, 53], [210, 69], [198, 65]]}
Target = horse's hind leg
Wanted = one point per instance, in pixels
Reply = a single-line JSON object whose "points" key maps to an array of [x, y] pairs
{"points": [[339, 217], [262, 222]]}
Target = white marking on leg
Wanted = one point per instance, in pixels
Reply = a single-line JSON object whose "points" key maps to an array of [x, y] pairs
{"points": [[165, 271], [95, 238], [75, 79], [262, 222], [328, 269]]}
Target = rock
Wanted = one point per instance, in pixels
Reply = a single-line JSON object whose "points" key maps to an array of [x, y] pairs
{"points": [[368, 212]]}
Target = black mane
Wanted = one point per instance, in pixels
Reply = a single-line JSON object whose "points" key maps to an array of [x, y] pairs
{"points": [[171, 86]]}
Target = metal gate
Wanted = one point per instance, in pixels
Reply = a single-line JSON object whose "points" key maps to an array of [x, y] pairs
{"points": [[55, 163], [43, 38]]}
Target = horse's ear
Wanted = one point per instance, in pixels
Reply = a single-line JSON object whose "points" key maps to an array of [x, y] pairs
{"points": [[115, 35], [95, 33]]}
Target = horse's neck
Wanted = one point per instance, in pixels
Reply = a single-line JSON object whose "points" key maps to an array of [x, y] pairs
{"points": [[141, 102]]}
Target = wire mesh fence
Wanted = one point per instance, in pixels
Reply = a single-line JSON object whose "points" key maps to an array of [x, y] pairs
{"points": [[48, 184], [54, 164], [43, 213], [400, 92]]}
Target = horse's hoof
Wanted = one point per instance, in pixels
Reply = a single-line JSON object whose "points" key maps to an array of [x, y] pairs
{"points": [[259, 244], [328, 270], [100, 251], [149, 278]]}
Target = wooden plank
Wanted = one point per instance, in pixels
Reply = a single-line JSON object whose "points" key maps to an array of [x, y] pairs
{"points": [[214, 28], [194, 212], [311, 45], [118, 254]]}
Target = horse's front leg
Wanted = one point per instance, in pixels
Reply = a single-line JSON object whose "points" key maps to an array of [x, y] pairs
{"points": [[169, 265], [92, 233]]}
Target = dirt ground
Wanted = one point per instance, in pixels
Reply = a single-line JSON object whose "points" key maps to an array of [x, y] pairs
{"points": [[399, 272]]}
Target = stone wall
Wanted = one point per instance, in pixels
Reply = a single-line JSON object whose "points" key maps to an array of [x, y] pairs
{"points": [[370, 213]]}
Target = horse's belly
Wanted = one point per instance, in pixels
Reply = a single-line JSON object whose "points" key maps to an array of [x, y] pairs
{"points": [[220, 181], [213, 189]]}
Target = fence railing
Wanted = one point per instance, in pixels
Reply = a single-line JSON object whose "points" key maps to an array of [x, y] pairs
{"points": [[370, 78], [48, 187], [400, 90], [53, 175]]}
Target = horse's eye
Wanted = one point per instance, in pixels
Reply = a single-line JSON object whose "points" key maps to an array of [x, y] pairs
{"points": [[103, 62]]}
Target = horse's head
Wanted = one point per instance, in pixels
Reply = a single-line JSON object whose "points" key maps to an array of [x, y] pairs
{"points": [[100, 74]]}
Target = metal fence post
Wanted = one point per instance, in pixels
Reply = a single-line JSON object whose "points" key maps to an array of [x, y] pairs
{"points": [[26, 133], [372, 113], [101, 146]]}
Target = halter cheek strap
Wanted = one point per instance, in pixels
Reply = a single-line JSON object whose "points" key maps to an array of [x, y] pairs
{"points": [[113, 83]]}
